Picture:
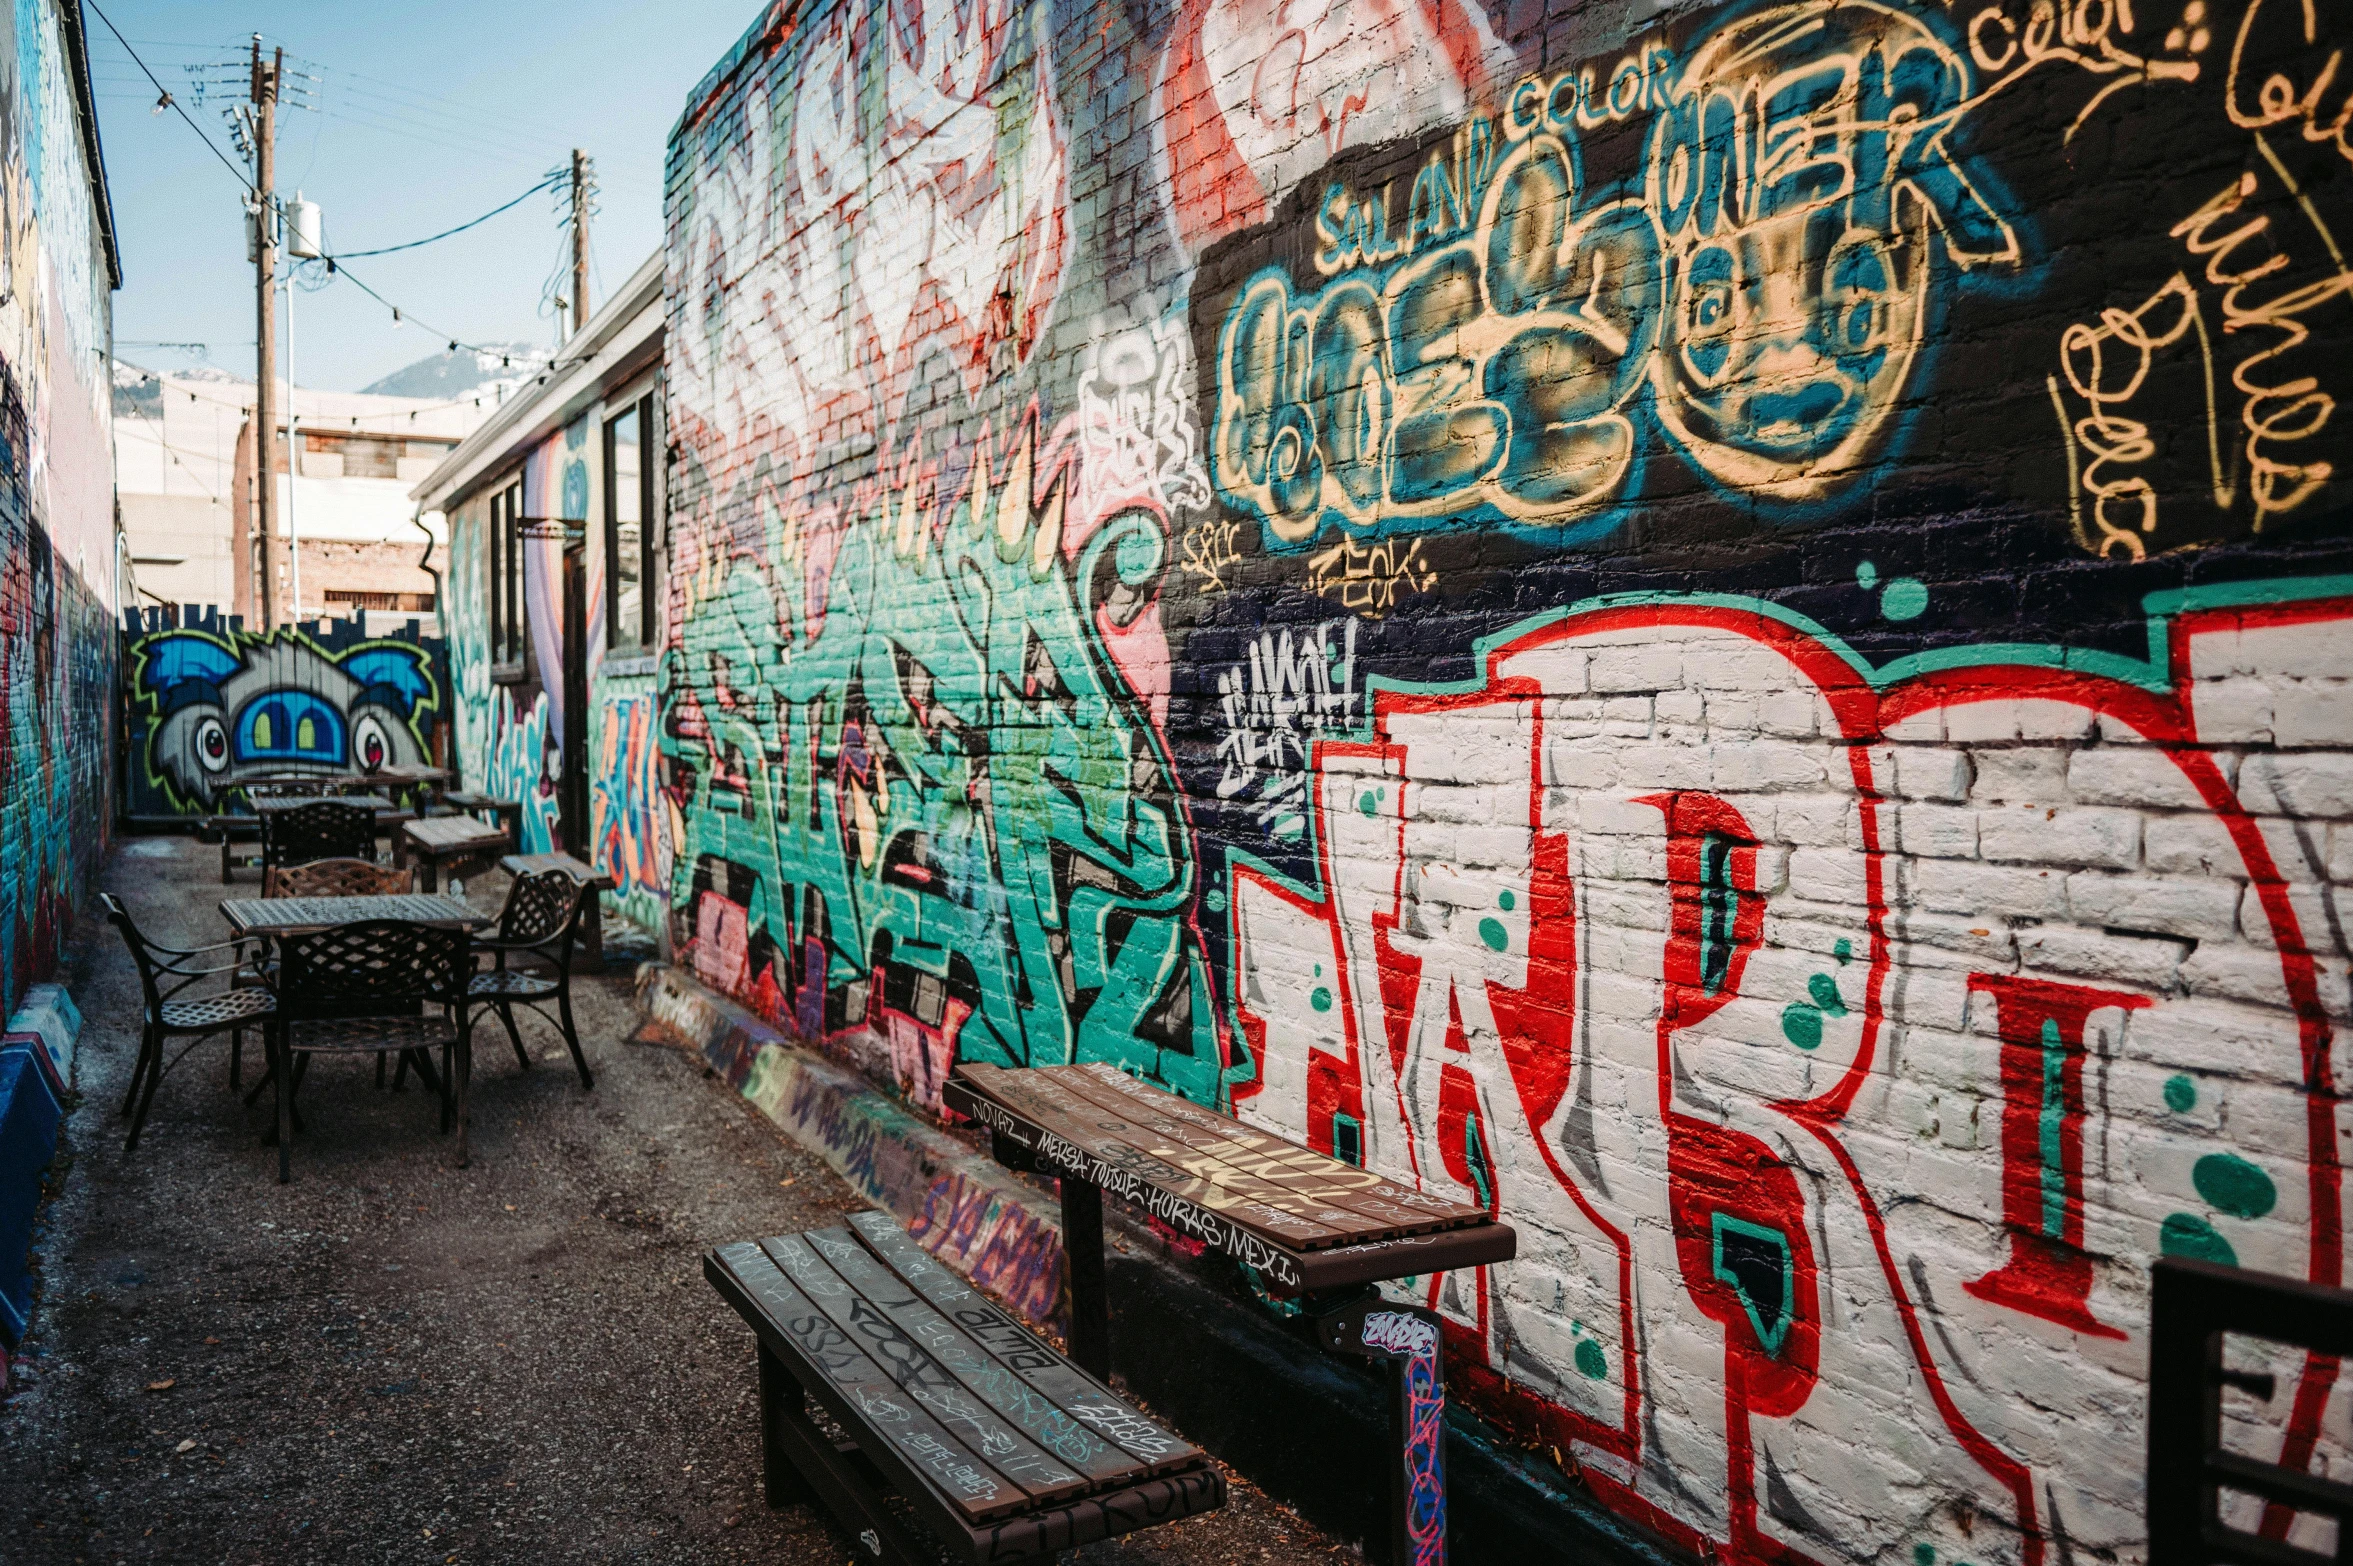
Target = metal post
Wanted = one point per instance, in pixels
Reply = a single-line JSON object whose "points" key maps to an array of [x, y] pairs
{"points": [[293, 456], [1082, 1255], [264, 91]]}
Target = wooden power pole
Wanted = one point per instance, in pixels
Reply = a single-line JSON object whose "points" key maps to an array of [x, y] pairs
{"points": [[265, 266], [581, 169]]}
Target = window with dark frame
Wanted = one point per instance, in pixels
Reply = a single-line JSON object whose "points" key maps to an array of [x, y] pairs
{"points": [[506, 576], [629, 530]]}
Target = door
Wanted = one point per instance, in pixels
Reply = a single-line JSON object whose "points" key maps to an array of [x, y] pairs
{"points": [[572, 798]]}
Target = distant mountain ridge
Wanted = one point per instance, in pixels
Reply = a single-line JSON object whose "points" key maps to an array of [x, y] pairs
{"points": [[454, 373]]}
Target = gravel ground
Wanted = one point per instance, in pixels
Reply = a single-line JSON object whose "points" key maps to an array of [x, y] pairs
{"points": [[395, 1360]]}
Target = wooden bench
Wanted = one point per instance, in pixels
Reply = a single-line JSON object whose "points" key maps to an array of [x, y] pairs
{"points": [[592, 911], [998, 1445], [1311, 1228], [453, 842]]}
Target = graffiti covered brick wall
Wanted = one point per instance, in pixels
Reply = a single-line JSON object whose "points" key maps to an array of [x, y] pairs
{"points": [[214, 706], [58, 566], [1724, 628]]}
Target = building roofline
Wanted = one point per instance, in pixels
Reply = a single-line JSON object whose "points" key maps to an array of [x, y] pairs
{"points": [[604, 344], [77, 54]]}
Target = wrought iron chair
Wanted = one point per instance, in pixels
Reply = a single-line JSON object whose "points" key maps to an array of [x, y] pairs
{"points": [[322, 829], [539, 924], [337, 878], [165, 972], [319, 878], [379, 986]]}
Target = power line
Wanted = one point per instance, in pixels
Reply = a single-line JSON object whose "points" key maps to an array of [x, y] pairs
{"points": [[164, 98], [384, 250], [271, 201]]}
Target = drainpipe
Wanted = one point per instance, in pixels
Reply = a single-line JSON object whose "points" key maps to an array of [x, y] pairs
{"points": [[440, 616], [417, 521]]}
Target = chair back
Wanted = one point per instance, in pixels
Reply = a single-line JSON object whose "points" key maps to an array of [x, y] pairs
{"points": [[322, 829], [154, 967], [336, 878], [372, 967], [542, 909]]}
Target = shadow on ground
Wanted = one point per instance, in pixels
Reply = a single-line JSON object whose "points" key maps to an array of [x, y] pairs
{"points": [[394, 1360]]}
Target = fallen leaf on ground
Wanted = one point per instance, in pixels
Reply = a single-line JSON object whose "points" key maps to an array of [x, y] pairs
{"points": [[188, 1445], [164, 1385]]}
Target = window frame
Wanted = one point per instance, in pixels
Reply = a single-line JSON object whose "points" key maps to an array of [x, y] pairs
{"points": [[640, 636], [508, 659]]}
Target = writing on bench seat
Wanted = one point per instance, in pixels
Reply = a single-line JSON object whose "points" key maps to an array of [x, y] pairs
{"points": [[1301, 1220]]}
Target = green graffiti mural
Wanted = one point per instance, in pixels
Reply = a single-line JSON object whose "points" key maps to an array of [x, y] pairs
{"points": [[913, 792]]}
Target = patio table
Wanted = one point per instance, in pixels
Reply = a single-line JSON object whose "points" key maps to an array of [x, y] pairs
{"points": [[284, 916], [277, 804], [1309, 1227]]}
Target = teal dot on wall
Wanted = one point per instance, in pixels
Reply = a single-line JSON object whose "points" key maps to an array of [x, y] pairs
{"points": [[1801, 1024], [2181, 1095], [1319, 970], [1923, 1555], [1506, 902], [1321, 1000], [1867, 576], [2194, 1239], [2234, 1186], [1369, 802], [1824, 990], [1493, 933], [1592, 1363], [1905, 597], [1217, 901]]}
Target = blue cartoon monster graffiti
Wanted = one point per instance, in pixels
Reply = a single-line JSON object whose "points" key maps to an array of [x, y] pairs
{"points": [[226, 710]]}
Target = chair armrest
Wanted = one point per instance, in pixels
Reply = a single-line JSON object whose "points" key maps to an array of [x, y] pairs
{"points": [[238, 941]]}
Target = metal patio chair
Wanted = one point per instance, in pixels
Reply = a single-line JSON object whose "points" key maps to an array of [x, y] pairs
{"points": [[165, 974], [322, 829], [378, 986], [337, 878], [539, 925], [319, 878]]}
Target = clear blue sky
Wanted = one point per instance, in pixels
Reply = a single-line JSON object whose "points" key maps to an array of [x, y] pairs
{"points": [[429, 112]]}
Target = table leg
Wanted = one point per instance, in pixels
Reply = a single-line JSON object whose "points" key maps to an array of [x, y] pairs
{"points": [[1082, 1255], [1407, 1339], [429, 871]]}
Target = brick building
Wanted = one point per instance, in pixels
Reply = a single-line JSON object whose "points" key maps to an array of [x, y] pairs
{"points": [[184, 459], [1727, 629]]}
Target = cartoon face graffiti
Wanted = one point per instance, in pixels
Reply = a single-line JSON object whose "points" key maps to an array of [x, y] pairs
{"points": [[227, 710], [1796, 177]]}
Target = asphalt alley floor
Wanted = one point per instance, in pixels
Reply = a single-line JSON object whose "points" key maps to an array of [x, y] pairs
{"points": [[394, 1360]]}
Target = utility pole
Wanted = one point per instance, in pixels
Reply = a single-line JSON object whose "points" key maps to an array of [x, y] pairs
{"points": [[264, 92], [581, 171]]}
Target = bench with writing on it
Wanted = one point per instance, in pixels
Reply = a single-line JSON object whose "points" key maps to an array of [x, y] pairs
{"points": [[437, 843], [1002, 1448], [592, 913], [1310, 1227]]}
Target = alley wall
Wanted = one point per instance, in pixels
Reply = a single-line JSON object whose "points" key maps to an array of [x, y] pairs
{"points": [[1724, 628], [58, 565]]}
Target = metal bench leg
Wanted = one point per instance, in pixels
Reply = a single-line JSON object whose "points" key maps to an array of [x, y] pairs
{"points": [[781, 1398], [1082, 1256], [1408, 1342], [792, 1443]]}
